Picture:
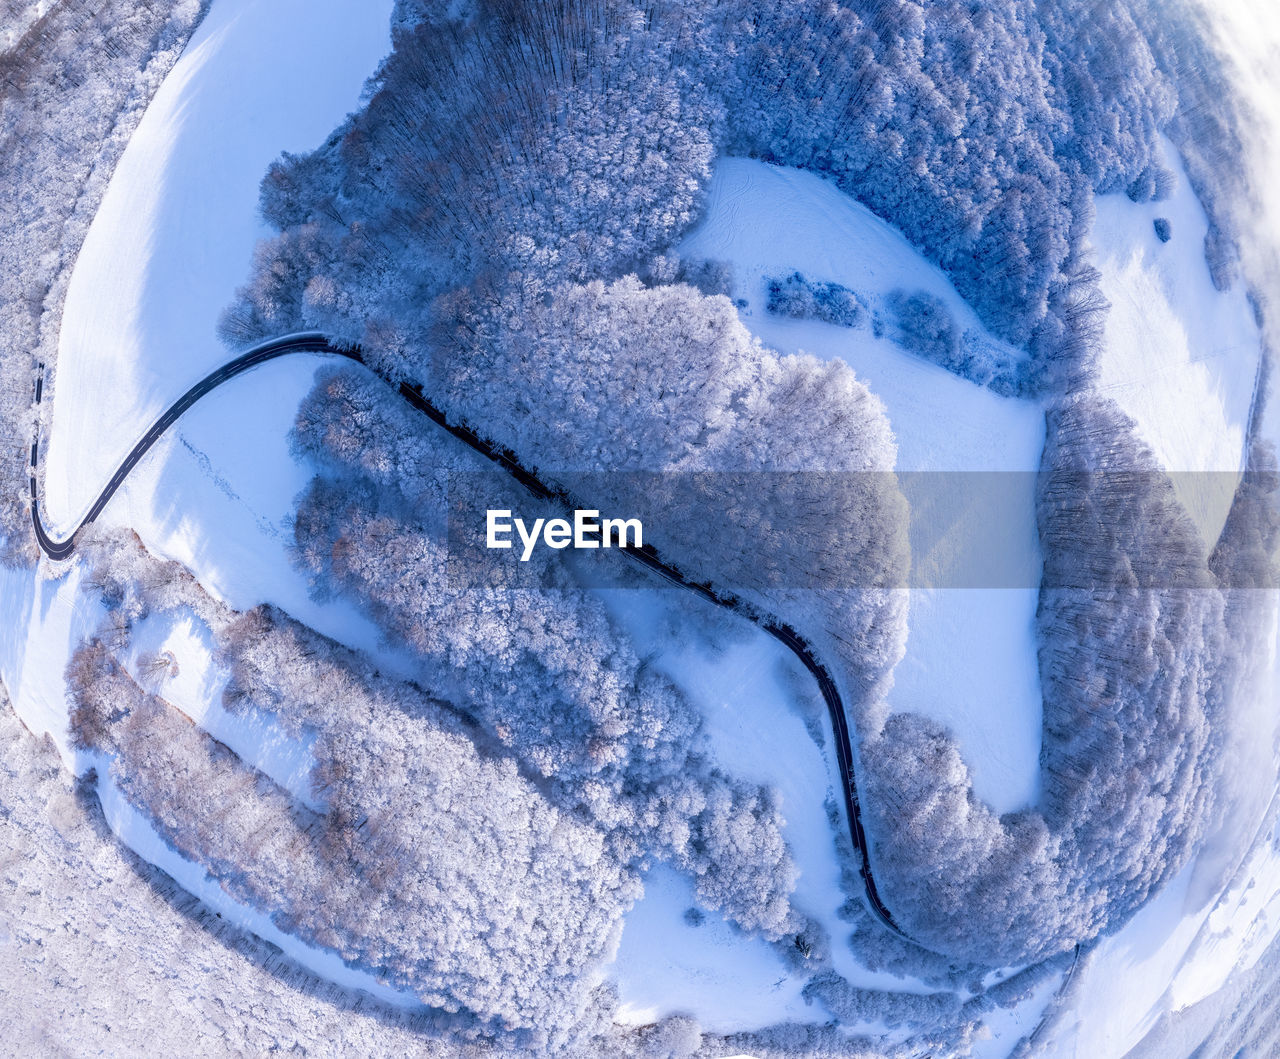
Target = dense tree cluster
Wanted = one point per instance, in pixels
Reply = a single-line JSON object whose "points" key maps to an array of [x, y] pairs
{"points": [[1110, 92], [1141, 662], [94, 66], [922, 324], [564, 142], [768, 476], [751, 467], [544, 144], [805, 299], [534, 660], [441, 869]]}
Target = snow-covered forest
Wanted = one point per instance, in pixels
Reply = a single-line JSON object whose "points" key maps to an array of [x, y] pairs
{"points": [[464, 271], [500, 764]]}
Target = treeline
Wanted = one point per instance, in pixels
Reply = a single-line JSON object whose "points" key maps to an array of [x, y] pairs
{"points": [[440, 869], [528, 143], [532, 146], [73, 88], [1143, 664], [918, 321]]}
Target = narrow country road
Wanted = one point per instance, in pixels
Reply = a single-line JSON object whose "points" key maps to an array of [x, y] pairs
{"points": [[313, 342]]}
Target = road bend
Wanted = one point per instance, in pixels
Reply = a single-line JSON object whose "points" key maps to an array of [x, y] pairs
{"points": [[646, 556]]}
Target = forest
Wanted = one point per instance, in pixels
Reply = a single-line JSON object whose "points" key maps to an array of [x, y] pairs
{"points": [[433, 818], [982, 133], [497, 224]]}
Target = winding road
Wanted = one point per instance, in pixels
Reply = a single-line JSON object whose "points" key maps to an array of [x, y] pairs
{"points": [[647, 556]]}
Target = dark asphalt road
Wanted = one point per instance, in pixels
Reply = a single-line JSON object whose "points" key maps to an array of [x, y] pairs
{"points": [[646, 556]]}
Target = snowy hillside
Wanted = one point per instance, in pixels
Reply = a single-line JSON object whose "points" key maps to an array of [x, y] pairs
{"points": [[162, 257], [1179, 356]]}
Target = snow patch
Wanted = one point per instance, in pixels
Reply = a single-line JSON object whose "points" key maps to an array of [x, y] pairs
{"points": [[1180, 357], [726, 980], [172, 655]]}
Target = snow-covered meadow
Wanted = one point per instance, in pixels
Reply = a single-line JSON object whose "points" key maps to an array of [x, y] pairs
{"points": [[176, 230], [172, 239], [1180, 357], [970, 660]]}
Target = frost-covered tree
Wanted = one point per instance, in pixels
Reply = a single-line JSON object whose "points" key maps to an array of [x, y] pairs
{"points": [[564, 142], [1136, 664]]}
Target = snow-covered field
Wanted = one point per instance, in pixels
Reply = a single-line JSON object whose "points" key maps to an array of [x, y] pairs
{"points": [[971, 660], [729, 982], [1179, 356], [175, 233], [1176, 951], [173, 238]]}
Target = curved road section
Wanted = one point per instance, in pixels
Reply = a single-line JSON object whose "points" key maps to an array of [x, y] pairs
{"points": [[313, 342]]}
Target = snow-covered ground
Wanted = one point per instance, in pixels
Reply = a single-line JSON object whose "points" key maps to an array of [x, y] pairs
{"points": [[1174, 953], [727, 981], [175, 233], [971, 654], [172, 655], [1179, 356], [173, 238], [761, 715]]}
